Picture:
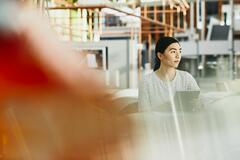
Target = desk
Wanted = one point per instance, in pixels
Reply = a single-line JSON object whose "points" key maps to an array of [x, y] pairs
{"points": [[211, 134]]}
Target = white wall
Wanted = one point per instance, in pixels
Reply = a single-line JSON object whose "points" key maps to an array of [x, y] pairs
{"points": [[119, 59]]}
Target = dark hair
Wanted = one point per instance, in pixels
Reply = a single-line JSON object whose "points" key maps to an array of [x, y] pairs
{"points": [[161, 46]]}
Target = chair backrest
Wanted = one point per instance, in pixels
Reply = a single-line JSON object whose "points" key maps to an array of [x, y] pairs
{"points": [[229, 86], [130, 92], [122, 102], [130, 108], [222, 86], [234, 85]]}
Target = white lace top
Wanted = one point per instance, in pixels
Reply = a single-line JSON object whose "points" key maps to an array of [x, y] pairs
{"points": [[153, 92]]}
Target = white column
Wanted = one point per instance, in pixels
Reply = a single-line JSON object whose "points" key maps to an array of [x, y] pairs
{"points": [[192, 19]]}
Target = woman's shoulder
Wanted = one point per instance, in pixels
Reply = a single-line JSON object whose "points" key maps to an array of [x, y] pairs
{"points": [[184, 73], [149, 76]]}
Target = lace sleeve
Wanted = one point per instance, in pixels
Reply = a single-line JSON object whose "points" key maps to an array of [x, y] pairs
{"points": [[191, 84], [143, 96]]}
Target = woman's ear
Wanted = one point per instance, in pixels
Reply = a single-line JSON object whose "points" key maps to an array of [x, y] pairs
{"points": [[160, 55]]}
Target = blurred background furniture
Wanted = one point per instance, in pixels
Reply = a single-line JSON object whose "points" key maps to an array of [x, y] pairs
{"points": [[229, 85], [127, 100]]}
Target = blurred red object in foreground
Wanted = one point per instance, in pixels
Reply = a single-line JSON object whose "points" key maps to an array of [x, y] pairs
{"points": [[52, 106], [20, 71]]}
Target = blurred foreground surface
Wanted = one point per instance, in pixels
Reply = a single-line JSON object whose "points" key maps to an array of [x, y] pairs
{"points": [[54, 108], [52, 105]]}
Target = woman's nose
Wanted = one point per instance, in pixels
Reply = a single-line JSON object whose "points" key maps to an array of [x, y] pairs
{"points": [[177, 55]]}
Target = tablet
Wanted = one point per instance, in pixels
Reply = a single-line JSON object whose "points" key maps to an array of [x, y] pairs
{"points": [[186, 100]]}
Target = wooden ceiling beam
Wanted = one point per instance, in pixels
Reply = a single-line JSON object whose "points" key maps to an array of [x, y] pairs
{"points": [[156, 22]]}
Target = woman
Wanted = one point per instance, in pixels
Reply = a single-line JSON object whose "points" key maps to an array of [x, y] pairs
{"points": [[158, 88]]}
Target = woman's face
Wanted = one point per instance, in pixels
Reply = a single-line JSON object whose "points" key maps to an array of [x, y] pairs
{"points": [[171, 56]]}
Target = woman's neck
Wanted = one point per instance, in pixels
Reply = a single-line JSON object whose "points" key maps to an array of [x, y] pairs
{"points": [[166, 73]]}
